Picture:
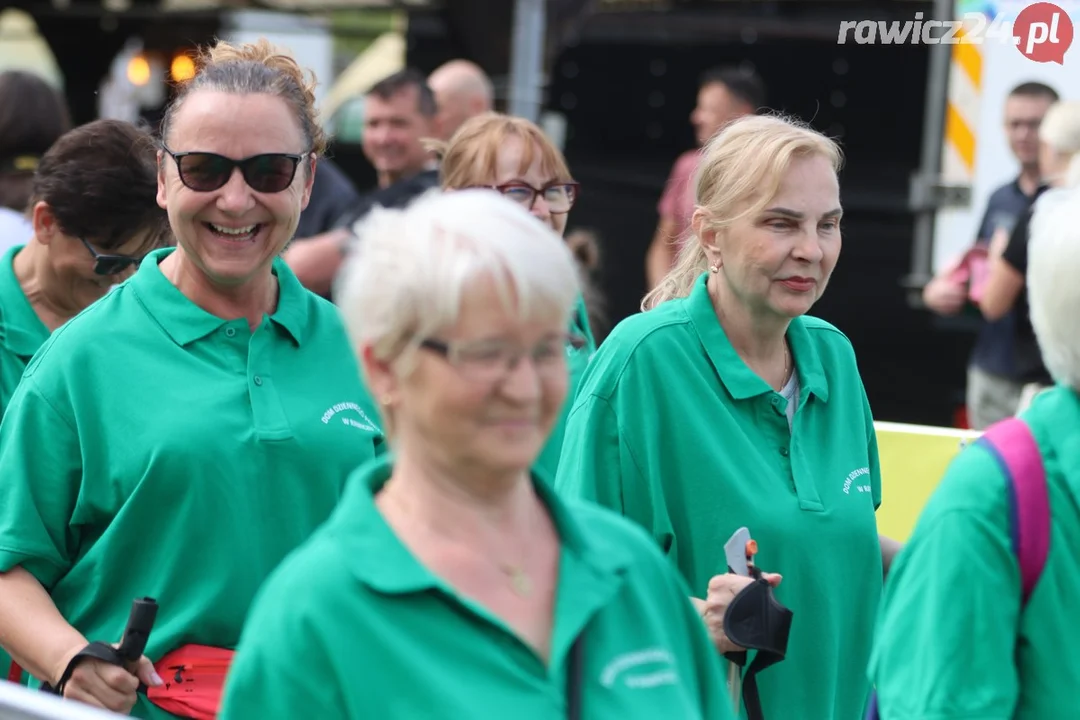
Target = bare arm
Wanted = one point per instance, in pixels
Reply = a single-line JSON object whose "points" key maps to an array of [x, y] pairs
{"points": [[1002, 289], [661, 252], [1004, 283], [32, 629], [316, 260], [36, 635]]}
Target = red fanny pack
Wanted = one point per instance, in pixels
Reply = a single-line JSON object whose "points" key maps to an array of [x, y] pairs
{"points": [[194, 678]]}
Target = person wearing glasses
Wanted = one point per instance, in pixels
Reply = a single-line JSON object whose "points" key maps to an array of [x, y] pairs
{"points": [[186, 432], [94, 217], [515, 157], [95, 186], [450, 576]]}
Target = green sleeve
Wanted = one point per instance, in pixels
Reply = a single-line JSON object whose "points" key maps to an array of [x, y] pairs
{"points": [[283, 668], [948, 621], [716, 700], [662, 582], [41, 467], [598, 464]]}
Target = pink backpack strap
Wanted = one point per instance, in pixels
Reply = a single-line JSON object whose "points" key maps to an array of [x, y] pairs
{"points": [[1013, 446]]}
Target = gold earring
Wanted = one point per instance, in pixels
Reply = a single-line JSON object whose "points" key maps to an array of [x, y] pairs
{"points": [[387, 400]]}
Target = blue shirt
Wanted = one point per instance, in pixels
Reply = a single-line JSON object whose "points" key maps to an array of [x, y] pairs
{"points": [[994, 348]]}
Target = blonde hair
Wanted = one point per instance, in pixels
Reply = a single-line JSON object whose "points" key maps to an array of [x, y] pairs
{"points": [[255, 68], [470, 157], [1060, 129], [743, 165], [412, 267], [1053, 293]]}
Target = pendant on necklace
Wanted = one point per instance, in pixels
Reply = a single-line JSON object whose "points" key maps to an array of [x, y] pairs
{"points": [[519, 581]]}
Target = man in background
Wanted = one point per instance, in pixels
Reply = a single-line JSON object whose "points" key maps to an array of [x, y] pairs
{"points": [[462, 91], [399, 112], [994, 386], [724, 94]]}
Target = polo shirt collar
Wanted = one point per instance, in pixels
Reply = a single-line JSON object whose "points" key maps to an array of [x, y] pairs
{"points": [[740, 381], [24, 333], [378, 558], [185, 322]]}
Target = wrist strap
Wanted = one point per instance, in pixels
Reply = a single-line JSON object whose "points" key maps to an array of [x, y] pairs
{"points": [[96, 650]]}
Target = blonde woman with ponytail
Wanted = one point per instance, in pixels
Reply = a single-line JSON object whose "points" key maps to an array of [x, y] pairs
{"points": [[1005, 290], [724, 405], [186, 432]]}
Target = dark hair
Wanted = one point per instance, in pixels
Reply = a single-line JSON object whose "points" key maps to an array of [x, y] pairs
{"points": [[585, 246], [255, 68], [745, 85], [100, 181], [391, 85], [32, 116], [1035, 89]]}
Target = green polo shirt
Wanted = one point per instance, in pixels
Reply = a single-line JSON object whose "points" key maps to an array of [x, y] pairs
{"points": [[577, 359], [354, 626], [154, 449], [673, 430], [21, 334], [21, 331], [953, 596]]}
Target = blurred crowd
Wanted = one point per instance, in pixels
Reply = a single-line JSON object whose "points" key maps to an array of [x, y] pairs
{"points": [[366, 455]]}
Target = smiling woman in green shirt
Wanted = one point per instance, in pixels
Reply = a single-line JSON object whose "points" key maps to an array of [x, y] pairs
{"points": [[724, 405], [452, 581], [182, 435], [94, 215]]}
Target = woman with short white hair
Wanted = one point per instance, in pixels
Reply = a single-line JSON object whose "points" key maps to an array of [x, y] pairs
{"points": [[449, 576], [980, 606]]}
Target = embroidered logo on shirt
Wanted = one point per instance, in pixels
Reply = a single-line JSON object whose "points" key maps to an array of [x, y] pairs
{"points": [[643, 669], [363, 423], [849, 482]]}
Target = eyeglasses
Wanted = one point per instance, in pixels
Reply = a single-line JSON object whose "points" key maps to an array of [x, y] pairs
{"points": [[559, 196], [207, 172], [110, 264], [489, 361]]}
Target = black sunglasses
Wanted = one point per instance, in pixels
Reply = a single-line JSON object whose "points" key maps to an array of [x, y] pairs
{"points": [[111, 264], [206, 172]]}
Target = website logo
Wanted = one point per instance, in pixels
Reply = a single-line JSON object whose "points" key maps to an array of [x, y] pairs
{"points": [[1041, 32]]}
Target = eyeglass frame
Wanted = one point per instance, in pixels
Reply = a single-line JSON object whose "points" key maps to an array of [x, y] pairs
{"points": [[99, 258], [537, 192], [446, 350], [235, 165]]}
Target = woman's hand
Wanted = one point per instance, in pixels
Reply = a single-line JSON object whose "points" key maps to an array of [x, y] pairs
{"points": [[101, 684], [722, 590]]}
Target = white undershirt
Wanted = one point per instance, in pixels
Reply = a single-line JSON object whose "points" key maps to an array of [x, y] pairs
{"points": [[790, 391]]}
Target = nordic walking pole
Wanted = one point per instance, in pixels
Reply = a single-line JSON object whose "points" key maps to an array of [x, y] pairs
{"points": [[738, 551]]}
